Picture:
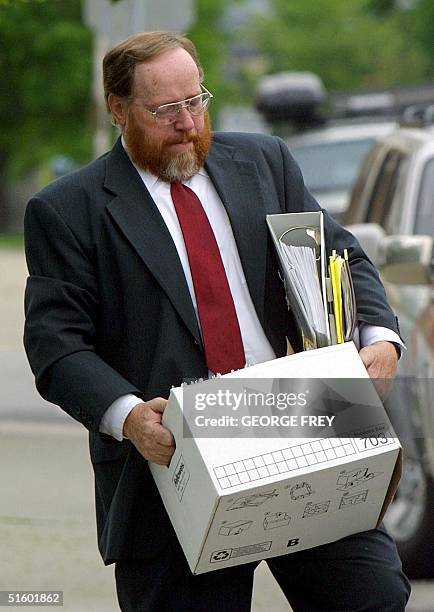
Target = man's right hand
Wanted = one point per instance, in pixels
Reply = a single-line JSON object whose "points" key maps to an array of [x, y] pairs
{"points": [[143, 427]]}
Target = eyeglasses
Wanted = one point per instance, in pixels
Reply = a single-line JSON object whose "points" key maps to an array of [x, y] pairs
{"points": [[168, 113]]}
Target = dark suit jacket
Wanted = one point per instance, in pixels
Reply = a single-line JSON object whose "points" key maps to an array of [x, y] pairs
{"points": [[109, 312]]}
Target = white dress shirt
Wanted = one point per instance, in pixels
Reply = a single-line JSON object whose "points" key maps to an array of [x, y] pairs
{"points": [[256, 345]]}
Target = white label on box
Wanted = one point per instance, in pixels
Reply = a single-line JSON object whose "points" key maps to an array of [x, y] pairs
{"points": [[233, 553], [373, 437], [180, 478]]}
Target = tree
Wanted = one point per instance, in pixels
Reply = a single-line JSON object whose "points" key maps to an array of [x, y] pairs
{"points": [[45, 68], [212, 42], [416, 19], [343, 42]]}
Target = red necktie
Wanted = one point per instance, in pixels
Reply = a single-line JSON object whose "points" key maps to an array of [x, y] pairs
{"points": [[218, 319]]}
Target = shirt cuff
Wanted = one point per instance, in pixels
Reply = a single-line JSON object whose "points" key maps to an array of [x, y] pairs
{"points": [[112, 422], [374, 333]]}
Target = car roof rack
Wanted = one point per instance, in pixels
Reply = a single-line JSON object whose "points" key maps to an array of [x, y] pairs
{"points": [[297, 97], [301, 100], [417, 115]]}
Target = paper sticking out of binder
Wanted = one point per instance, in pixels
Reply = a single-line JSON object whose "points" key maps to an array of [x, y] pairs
{"points": [[320, 293]]}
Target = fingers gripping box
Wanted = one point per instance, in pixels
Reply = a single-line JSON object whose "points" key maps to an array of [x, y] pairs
{"points": [[245, 497]]}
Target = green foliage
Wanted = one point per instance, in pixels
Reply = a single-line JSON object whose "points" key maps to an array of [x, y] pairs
{"points": [[45, 68], [11, 241], [423, 31], [212, 45], [416, 21], [45, 62], [343, 41], [9, 2], [380, 7]]}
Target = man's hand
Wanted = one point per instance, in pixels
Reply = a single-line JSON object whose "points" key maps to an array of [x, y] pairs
{"points": [[143, 427], [380, 359]]}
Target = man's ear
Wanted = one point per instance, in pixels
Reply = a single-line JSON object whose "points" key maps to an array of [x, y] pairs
{"points": [[118, 109]]}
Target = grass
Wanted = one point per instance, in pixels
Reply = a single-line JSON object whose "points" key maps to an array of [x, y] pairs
{"points": [[11, 241]]}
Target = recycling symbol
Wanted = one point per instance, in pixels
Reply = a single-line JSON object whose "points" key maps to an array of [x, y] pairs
{"points": [[220, 555]]}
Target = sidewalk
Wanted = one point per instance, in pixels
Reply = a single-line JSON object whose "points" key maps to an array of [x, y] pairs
{"points": [[47, 518], [13, 274], [47, 527]]}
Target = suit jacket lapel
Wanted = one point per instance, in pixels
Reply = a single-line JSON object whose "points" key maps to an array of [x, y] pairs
{"points": [[238, 185], [134, 211], [138, 217]]}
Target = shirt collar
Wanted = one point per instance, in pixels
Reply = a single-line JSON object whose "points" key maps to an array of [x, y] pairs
{"points": [[152, 181]]}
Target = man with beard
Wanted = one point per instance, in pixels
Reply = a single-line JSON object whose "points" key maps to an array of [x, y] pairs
{"points": [[152, 265]]}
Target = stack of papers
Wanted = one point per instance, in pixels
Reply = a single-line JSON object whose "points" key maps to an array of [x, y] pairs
{"points": [[321, 297], [302, 275]]}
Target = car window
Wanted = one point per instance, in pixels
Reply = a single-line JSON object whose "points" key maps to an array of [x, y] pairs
{"points": [[380, 202], [424, 223], [331, 166], [355, 213], [396, 210]]}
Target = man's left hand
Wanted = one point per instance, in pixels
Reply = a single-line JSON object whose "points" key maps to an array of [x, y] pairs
{"points": [[380, 360]]}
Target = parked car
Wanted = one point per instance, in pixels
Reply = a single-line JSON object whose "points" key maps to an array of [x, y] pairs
{"points": [[392, 213], [330, 159], [329, 136]]}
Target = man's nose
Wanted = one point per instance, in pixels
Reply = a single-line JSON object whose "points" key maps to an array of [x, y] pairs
{"points": [[184, 121]]}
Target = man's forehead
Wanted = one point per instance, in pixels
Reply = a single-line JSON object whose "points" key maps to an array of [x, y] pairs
{"points": [[170, 71]]}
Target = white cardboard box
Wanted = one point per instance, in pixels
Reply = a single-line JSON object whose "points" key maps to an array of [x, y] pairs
{"points": [[242, 499]]}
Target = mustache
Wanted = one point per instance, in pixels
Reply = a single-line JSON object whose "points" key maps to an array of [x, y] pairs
{"points": [[187, 137]]}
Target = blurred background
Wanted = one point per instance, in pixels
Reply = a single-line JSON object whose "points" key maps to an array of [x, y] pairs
{"points": [[51, 103], [332, 77]]}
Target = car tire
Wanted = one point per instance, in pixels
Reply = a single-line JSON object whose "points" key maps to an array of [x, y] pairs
{"points": [[410, 517], [410, 520]]}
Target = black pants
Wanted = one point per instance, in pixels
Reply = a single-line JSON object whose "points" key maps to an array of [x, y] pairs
{"points": [[360, 572]]}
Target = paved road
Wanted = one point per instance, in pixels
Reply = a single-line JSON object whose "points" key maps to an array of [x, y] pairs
{"points": [[47, 530]]}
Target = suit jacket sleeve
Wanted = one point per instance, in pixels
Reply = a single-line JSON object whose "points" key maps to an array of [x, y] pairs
{"points": [[61, 305]]}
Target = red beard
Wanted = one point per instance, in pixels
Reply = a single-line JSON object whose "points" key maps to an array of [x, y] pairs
{"points": [[159, 160]]}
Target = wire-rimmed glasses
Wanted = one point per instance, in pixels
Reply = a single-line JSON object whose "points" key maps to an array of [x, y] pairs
{"points": [[168, 113]]}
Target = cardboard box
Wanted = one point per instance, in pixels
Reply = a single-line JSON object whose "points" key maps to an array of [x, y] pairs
{"points": [[246, 498]]}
